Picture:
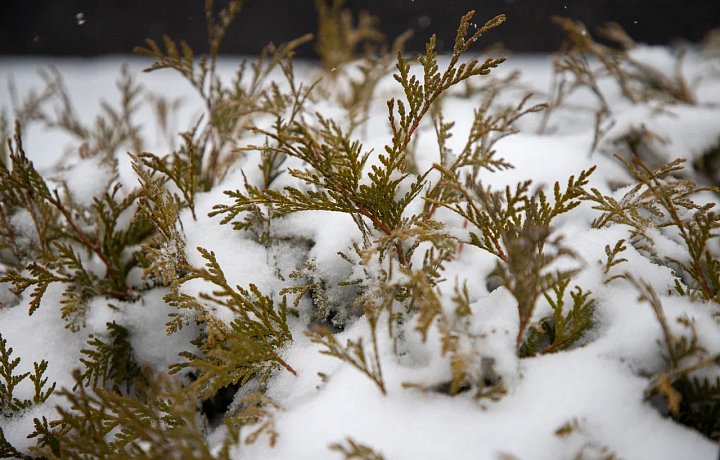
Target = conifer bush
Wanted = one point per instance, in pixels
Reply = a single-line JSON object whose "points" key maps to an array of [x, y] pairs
{"points": [[282, 263]]}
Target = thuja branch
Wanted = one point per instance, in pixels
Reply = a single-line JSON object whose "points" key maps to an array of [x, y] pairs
{"points": [[336, 179], [95, 247], [434, 84], [239, 301], [260, 319], [655, 186]]}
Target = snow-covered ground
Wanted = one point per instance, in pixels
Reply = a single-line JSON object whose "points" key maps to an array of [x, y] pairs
{"points": [[601, 384]]}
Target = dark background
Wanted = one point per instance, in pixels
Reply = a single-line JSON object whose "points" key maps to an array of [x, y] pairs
{"points": [[50, 27]]}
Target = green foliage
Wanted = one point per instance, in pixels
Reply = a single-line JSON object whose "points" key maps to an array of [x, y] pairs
{"points": [[106, 425], [561, 331], [353, 352], [46, 438], [317, 290], [420, 96], [676, 349], [487, 129], [511, 223], [338, 40], [468, 369], [182, 174], [527, 278], [235, 357], [500, 216], [613, 260], [10, 405], [8, 451], [572, 327], [4, 134], [259, 409], [118, 410], [61, 230], [356, 451], [583, 63], [258, 220], [249, 347], [165, 253], [700, 405], [690, 400], [660, 200], [659, 190], [427, 302], [372, 68], [337, 174], [380, 295], [637, 80], [111, 361], [335, 181], [113, 129], [229, 108], [704, 268], [22, 187]]}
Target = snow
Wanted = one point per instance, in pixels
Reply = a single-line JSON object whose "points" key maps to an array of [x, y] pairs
{"points": [[685, 132], [23, 221], [601, 385], [87, 180]]}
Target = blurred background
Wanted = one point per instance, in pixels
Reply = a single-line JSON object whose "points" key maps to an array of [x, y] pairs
{"points": [[92, 27]]}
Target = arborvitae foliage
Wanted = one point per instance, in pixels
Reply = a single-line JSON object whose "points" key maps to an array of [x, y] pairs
{"points": [[468, 368], [353, 353], [584, 63], [10, 405], [62, 229], [661, 200], [372, 68], [561, 330], [700, 405], [249, 347], [113, 130], [338, 39], [110, 362], [487, 129], [259, 409], [5, 133], [576, 427], [228, 107], [106, 425], [165, 253], [317, 290], [506, 215], [691, 400], [336, 181], [202, 76], [528, 278], [638, 81], [614, 258], [356, 451], [118, 410], [190, 167], [511, 222]]}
